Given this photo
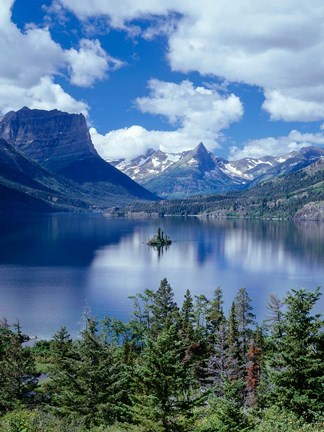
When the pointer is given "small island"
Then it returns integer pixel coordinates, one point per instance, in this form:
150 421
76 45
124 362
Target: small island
159 239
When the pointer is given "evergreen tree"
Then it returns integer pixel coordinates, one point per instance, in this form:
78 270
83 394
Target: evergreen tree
297 366
86 378
164 309
18 376
201 312
216 316
245 319
187 318
166 389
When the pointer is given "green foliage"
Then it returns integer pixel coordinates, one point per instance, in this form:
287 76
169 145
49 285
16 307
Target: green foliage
165 386
86 378
278 420
18 376
171 370
224 414
297 364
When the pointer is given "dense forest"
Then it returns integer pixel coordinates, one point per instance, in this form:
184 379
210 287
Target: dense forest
186 368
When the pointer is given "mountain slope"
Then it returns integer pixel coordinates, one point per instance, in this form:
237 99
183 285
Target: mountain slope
60 142
26 186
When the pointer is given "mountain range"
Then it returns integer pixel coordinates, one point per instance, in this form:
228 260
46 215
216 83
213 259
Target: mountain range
48 156
200 172
48 162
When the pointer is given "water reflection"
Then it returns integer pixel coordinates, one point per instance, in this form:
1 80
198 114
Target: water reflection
51 267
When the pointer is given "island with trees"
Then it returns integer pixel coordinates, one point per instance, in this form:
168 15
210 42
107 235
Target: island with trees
160 239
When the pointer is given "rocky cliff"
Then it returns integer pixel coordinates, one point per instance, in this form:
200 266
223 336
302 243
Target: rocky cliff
60 142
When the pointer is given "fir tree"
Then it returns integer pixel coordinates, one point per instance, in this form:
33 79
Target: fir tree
187 318
18 376
216 316
245 319
164 309
166 389
298 368
86 378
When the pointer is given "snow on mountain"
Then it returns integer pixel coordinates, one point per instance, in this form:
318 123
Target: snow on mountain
200 171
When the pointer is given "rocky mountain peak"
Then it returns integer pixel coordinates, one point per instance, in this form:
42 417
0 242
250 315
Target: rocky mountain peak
201 157
51 137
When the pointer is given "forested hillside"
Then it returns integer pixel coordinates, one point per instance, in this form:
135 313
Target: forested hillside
282 197
172 368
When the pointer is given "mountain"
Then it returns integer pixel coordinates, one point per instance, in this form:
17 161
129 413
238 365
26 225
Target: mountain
26 186
179 175
61 143
199 171
298 195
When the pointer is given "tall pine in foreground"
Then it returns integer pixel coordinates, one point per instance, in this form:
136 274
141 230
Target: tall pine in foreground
298 367
86 377
18 376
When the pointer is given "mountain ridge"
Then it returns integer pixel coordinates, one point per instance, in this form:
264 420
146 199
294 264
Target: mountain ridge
61 143
200 171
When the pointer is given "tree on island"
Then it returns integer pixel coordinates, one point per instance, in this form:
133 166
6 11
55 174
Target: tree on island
159 239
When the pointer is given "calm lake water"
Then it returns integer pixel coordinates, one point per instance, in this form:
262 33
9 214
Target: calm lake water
53 267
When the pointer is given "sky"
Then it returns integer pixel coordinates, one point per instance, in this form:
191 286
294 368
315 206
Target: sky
245 77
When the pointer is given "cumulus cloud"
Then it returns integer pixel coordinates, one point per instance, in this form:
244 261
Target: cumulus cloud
196 113
30 60
43 95
294 141
277 46
89 63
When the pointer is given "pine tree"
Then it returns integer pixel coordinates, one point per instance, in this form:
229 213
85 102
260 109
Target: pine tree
164 309
187 318
201 312
297 365
166 390
216 316
245 319
86 379
18 376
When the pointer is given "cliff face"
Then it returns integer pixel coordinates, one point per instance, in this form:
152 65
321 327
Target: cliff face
61 143
51 138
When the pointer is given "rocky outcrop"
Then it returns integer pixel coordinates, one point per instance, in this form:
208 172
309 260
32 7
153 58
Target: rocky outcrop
51 138
313 211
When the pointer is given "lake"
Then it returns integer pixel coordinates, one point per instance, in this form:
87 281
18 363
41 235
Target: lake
54 267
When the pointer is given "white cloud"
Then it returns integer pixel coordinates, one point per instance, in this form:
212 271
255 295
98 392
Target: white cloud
44 95
120 11
294 141
277 46
89 63
192 107
197 114
30 60
289 108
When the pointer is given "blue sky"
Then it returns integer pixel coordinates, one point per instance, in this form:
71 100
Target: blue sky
244 77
